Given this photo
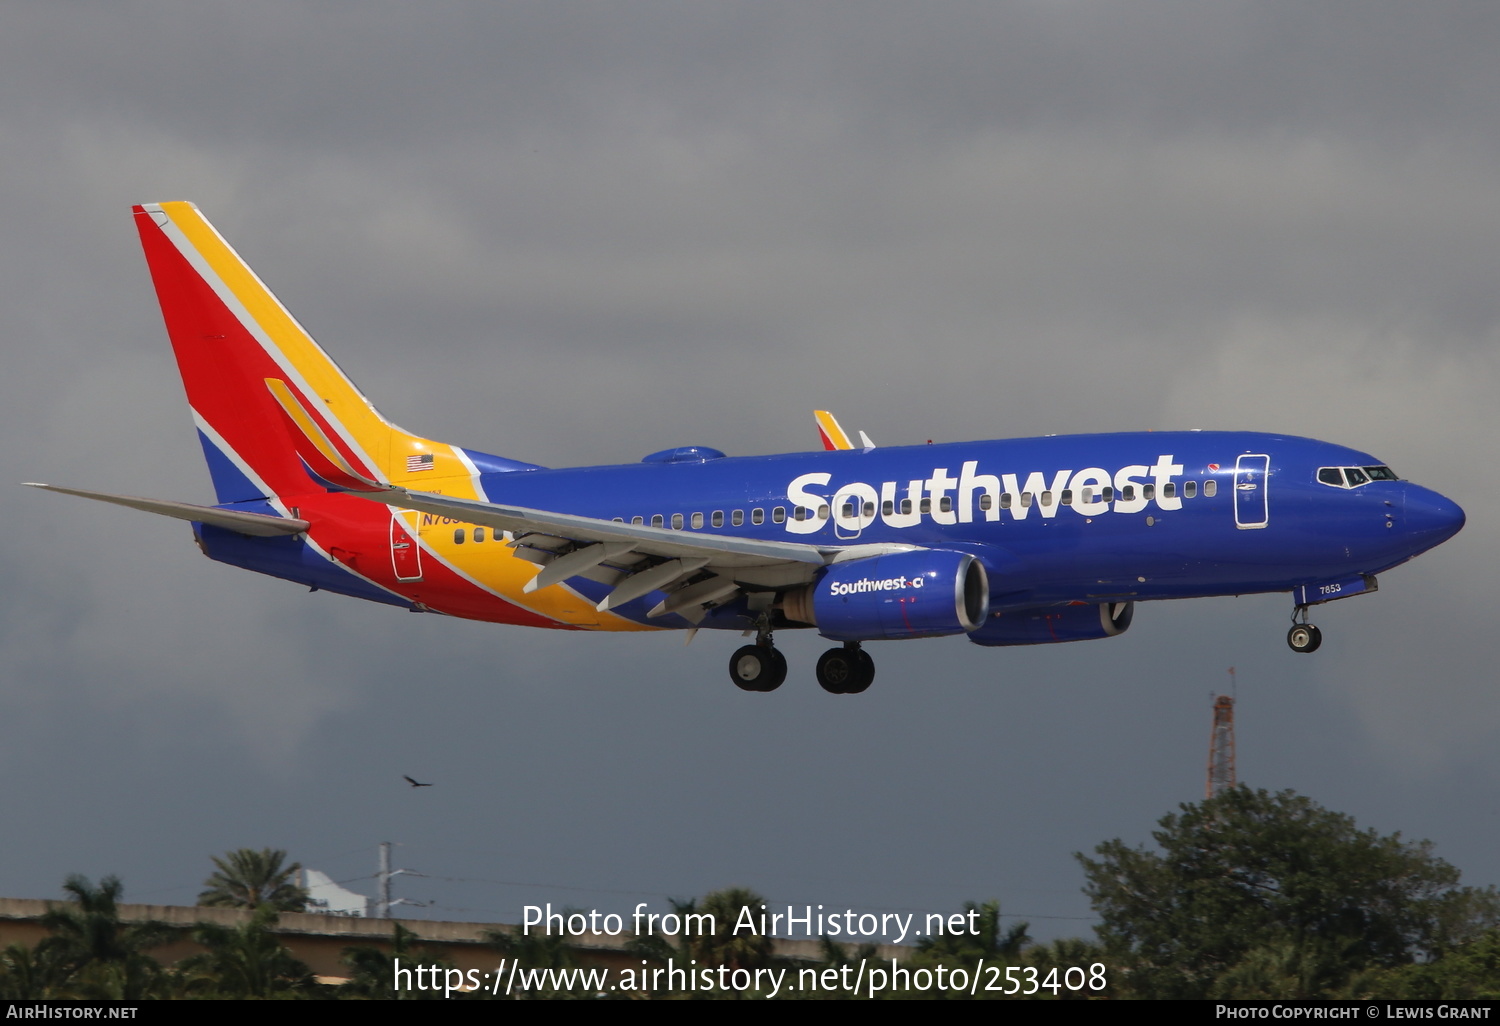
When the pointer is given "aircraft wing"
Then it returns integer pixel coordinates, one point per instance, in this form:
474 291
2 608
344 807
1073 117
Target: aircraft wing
695 569
257 525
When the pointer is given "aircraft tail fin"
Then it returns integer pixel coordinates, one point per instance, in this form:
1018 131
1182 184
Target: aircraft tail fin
830 433
270 405
833 436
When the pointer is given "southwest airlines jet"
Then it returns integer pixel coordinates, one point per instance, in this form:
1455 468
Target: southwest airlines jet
1016 542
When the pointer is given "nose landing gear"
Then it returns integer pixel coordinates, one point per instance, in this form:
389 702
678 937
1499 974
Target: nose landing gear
1303 637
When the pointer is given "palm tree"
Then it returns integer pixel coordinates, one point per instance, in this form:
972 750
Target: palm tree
25 975
738 947
249 879
742 948
91 952
539 951
985 942
247 961
374 970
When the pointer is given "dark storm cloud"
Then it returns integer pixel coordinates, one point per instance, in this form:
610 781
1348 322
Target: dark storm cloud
578 233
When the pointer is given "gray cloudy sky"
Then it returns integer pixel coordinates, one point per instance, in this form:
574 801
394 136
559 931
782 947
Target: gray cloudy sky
578 233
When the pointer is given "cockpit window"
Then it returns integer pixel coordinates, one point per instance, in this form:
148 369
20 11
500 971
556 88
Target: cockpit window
1353 477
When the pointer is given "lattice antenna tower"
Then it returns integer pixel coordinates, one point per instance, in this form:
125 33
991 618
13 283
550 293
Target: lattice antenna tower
1221 743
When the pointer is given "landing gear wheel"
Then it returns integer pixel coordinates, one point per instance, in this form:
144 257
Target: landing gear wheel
845 671
757 668
866 674
1304 637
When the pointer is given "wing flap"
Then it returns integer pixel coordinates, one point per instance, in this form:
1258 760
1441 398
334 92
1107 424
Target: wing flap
723 551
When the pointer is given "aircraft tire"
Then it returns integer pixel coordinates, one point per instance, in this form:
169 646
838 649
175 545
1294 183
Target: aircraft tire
866 675
845 671
1304 638
757 668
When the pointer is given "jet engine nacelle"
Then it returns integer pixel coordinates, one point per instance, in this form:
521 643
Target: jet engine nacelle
917 594
1055 623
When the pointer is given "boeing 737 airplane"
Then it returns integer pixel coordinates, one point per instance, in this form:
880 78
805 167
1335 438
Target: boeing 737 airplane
1016 542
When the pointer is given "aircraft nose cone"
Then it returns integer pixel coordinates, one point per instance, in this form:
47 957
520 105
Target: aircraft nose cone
1431 519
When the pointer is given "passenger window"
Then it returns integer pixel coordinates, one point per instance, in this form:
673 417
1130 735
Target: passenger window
778 515
1169 490
869 510
737 518
1067 497
888 507
823 512
799 512
637 521
848 513
458 536
1189 488
946 504
986 501
926 505
657 521
1210 488
718 520
676 521
1026 500
1047 498
1127 494
697 521
479 531
1109 494
906 507
758 516
1148 492
1006 499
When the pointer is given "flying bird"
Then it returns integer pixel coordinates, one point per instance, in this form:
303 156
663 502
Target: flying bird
412 782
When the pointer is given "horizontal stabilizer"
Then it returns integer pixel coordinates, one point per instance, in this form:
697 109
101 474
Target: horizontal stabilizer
259 525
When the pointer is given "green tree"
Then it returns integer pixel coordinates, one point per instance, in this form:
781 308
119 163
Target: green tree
1271 894
1065 970
731 942
247 961
249 879
1469 972
980 938
735 942
374 970
25 976
539 950
90 953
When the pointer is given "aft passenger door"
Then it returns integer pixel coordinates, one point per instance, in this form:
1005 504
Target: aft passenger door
1250 476
406 556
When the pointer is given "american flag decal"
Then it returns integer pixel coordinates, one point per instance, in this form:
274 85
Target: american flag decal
416 463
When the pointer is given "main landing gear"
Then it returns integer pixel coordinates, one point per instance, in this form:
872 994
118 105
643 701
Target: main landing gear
845 671
758 667
1303 637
